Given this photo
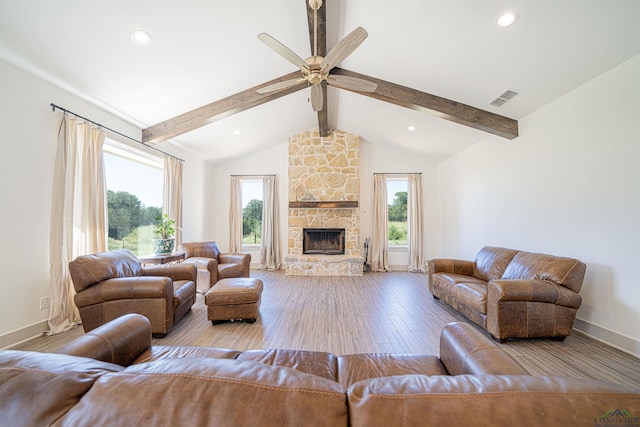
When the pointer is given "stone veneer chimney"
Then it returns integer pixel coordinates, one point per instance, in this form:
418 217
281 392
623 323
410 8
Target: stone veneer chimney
324 192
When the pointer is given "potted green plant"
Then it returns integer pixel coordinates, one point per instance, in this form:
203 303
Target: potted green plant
165 231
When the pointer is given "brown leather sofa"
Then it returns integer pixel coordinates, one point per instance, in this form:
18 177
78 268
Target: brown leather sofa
110 284
214 265
114 376
511 293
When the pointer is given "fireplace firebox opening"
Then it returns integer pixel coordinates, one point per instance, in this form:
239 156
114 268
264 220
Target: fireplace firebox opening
325 241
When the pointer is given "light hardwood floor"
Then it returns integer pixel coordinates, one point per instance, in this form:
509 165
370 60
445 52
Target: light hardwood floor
378 312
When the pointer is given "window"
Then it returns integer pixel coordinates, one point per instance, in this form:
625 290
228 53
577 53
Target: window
134 197
397 190
251 211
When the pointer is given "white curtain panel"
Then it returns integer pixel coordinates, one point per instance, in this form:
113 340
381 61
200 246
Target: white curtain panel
415 224
235 214
270 246
380 238
78 213
172 193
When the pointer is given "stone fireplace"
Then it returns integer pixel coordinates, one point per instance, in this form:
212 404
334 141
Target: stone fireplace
324 193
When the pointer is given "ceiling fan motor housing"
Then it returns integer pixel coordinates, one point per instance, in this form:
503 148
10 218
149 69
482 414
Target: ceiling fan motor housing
314 75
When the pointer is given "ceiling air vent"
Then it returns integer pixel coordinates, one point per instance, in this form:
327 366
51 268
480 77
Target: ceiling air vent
507 96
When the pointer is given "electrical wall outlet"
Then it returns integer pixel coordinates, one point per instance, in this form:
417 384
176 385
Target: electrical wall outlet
44 303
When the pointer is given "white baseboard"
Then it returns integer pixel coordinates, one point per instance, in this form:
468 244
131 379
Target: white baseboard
612 338
19 336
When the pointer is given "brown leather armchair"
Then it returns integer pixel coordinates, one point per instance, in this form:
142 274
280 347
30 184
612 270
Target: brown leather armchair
110 284
214 265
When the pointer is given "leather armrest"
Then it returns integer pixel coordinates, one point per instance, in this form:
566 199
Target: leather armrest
179 271
454 266
119 341
532 290
126 288
466 350
235 258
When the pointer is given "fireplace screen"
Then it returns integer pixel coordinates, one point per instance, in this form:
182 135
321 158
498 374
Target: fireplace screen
326 241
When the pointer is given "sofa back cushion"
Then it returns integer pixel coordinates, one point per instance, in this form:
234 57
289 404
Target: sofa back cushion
87 270
496 400
199 392
318 363
36 389
201 250
567 272
491 262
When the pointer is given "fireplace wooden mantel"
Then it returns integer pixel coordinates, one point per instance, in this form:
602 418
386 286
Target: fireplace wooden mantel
328 204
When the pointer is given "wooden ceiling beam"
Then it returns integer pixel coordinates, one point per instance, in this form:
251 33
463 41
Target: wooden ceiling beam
217 110
321 14
441 107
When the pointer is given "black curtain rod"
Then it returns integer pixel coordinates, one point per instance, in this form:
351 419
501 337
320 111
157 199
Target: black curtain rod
54 107
398 173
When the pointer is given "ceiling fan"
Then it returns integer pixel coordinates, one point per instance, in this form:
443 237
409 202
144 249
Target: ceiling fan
319 70
316 69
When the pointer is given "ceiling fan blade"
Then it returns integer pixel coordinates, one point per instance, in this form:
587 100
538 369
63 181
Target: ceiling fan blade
344 48
316 97
279 86
283 51
352 83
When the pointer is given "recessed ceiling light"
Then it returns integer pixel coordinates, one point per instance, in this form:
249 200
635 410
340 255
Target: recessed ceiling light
507 18
411 128
237 132
140 37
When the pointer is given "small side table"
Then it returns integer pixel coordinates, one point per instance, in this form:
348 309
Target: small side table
162 258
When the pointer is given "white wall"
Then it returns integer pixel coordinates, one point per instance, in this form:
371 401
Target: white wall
28 135
374 157
570 186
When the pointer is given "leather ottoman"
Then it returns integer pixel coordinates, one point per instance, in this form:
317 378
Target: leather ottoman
234 299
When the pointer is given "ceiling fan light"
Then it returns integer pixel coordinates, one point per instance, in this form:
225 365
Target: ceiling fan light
507 18
140 37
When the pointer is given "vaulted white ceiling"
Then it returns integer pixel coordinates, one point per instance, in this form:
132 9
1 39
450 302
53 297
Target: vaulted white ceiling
202 51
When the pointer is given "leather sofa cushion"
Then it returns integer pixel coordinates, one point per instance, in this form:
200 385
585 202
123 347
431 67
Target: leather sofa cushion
183 290
55 381
194 392
317 363
472 294
567 272
87 270
486 400
443 283
356 367
160 352
491 262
